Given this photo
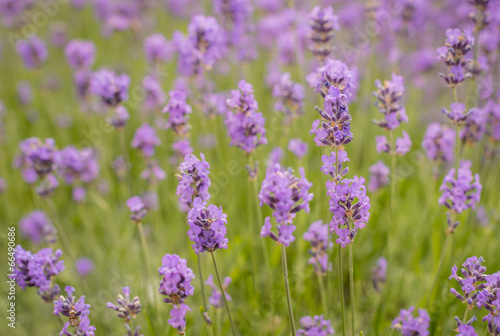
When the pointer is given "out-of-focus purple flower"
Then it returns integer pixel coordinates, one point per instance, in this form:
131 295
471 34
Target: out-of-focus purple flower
36 155
75 165
153 172
323 26
457 114
47 186
193 181
76 311
207 227
333 73
439 143
146 140
473 280
81 79
379 273
349 206
297 147
182 147
466 329
178 111
245 126
454 55
24 93
155 97
150 200
216 298
475 126
84 266
315 326
290 97
80 54
127 309
38 228
333 166
389 102
33 51
157 48
286 195
317 236
275 157
137 209
176 284
58 34
335 127
379 176
460 190
110 87
403 144
37 270
119 118
410 325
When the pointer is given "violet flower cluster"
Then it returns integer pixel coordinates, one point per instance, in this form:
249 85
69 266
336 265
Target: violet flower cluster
245 126
297 147
111 88
207 227
334 130
410 325
37 270
193 181
349 206
379 274
286 195
38 228
439 143
76 311
176 285
145 139
137 209
178 111
215 299
455 55
290 98
460 190
333 165
127 309
80 54
317 236
457 114
333 73
379 176
466 329
324 23
33 51
157 49
315 326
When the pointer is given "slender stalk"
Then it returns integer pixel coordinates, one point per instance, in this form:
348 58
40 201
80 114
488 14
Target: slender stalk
322 293
287 290
233 329
457 149
455 95
440 265
60 229
351 286
147 260
464 320
341 285
202 285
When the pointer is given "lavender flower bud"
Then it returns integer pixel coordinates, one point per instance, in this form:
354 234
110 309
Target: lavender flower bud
178 111
439 143
137 208
379 176
84 266
379 274
33 51
290 98
216 298
460 190
76 311
411 325
317 236
389 102
127 309
38 228
111 88
193 181
207 227
315 326
323 26
146 140
80 54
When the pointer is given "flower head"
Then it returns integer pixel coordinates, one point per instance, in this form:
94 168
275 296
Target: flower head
216 298
297 147
379 273
137 209
460 190
439 143
457 113
323 26
290 97
333 73
207 227
157 48
193 180
80 54
76 311
33 51
315 326
84 266
37 158
471 281
389 102
410 325
146 140
127 308
178 112
75 165
110 87
379 176
317 236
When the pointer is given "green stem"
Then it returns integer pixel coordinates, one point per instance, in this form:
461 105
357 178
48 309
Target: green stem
202 285
60 229
455 95
233 329
351 286
464 320
287 289
457 149
322 293
440 265
341 285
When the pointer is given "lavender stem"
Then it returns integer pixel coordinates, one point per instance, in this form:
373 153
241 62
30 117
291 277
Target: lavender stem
287 290
233 330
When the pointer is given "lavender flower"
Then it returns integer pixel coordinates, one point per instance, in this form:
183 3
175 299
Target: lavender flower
206 36
460 190
323 26
472 281
297 147
475 126
84 266
439 143
80 54
466 329
489 298
37 270
333 73
24 93
245 126
317 236
330 163
389 102
37 157
290 98
47 186
178 111
146 140
75 165
349 206
410 325
37 227
176 284
286 195
76 311
403 144
216 298
193 181
33 51
137 208
207 227
335 130
457 114
379 273
153 172
155 97
454 55
127 309
81 79
157 48
110 87
315 326
379 176
119 118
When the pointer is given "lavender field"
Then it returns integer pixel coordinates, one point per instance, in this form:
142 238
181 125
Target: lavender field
250 167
